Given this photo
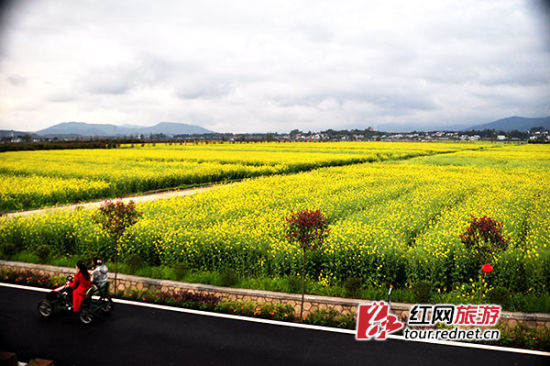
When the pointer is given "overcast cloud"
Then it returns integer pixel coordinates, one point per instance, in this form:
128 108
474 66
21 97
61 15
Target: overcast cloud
254 66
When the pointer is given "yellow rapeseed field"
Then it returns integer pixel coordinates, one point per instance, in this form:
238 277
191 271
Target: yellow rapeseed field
393 220
103 173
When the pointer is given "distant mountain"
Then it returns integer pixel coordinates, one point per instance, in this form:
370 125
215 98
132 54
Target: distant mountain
80 129
514 123
12 133
108 130
172 128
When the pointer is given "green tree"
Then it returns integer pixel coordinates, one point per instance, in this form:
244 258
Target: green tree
26 138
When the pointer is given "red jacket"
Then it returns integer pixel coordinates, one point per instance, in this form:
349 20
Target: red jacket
80 284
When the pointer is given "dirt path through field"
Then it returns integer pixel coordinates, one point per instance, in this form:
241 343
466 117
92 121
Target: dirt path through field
136 199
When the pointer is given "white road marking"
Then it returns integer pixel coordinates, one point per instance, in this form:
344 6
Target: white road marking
22 287
297 325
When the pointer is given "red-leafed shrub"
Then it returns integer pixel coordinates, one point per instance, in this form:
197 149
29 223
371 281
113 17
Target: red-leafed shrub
484 238
115 218
308 229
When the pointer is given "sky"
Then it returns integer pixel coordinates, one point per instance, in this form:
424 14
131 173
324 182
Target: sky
273 66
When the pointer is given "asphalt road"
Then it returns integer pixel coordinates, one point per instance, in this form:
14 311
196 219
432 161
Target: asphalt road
143 336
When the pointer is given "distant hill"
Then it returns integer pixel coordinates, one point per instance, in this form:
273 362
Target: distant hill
108 130
172 128
514 123
12 133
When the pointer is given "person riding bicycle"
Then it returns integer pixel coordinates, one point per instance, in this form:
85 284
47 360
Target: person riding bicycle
80 285
99 274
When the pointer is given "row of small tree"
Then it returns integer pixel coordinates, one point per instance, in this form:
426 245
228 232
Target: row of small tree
308 229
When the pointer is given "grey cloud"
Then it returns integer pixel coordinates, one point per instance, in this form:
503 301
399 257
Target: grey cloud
396 104
314 32
268 66
62 97
16 80
122 78
529 97
204 90
108 82
145 71
396 98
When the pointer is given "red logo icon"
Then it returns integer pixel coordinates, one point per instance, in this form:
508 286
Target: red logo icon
374 320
